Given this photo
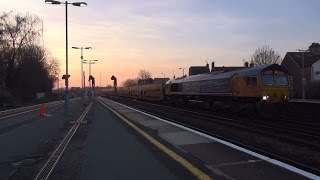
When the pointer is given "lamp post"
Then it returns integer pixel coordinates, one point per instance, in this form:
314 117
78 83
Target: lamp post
164 75
80 4
182 71
81 59
90 62
303 80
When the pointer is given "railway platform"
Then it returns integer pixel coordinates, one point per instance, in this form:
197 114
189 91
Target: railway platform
214 157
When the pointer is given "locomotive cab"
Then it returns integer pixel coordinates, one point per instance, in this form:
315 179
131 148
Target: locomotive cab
275 86
267 83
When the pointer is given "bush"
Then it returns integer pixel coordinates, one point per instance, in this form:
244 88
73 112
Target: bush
5 98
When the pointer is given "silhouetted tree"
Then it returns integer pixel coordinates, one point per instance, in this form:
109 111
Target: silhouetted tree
19 31
130 82
265 55
25 67
144 75
35 73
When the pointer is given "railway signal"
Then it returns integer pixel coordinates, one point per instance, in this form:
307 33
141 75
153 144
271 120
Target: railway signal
64 77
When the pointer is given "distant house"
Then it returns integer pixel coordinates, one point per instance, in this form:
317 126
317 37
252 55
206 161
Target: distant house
160 80
152 81
293 62
228 68
145 81
194 70
216 69
315 69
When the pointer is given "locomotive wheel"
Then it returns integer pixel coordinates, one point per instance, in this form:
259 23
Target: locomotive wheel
264 110
243 109
179 101
182 102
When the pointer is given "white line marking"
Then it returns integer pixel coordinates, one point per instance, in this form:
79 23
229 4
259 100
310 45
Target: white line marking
36 105
72 130
260 156
237 163
23 112
27 107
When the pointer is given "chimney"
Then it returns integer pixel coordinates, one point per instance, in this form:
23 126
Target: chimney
208 69
246 64
212 66
315 49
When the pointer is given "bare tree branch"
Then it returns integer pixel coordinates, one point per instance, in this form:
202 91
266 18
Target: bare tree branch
265 55
26 68
144 76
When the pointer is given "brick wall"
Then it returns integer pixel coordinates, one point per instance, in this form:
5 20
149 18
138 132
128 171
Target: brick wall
296 72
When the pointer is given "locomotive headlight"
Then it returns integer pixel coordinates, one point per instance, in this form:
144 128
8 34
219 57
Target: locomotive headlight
265 98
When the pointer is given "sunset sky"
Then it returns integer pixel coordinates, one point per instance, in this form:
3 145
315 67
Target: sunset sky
162 36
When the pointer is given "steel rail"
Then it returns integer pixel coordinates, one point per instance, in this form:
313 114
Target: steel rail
314 133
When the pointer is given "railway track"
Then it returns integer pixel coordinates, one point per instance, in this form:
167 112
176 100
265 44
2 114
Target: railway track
260 136
295 129
273 130
313 126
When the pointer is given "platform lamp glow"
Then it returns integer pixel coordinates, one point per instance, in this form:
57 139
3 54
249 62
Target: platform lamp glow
80 4
81 59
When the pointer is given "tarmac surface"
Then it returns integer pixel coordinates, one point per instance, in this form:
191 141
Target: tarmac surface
21 135
113 152
105 148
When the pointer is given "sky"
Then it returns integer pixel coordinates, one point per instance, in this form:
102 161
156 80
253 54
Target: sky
163 36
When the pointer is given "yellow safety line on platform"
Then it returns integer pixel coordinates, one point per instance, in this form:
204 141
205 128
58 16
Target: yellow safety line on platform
190 167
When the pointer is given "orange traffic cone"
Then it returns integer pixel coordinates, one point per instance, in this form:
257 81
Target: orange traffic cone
41 113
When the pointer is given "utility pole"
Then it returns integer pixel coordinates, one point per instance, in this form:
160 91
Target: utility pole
303 80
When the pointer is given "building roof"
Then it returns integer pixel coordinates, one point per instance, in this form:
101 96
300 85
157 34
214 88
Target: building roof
160 80
227 68
193 70
309 58
250 71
